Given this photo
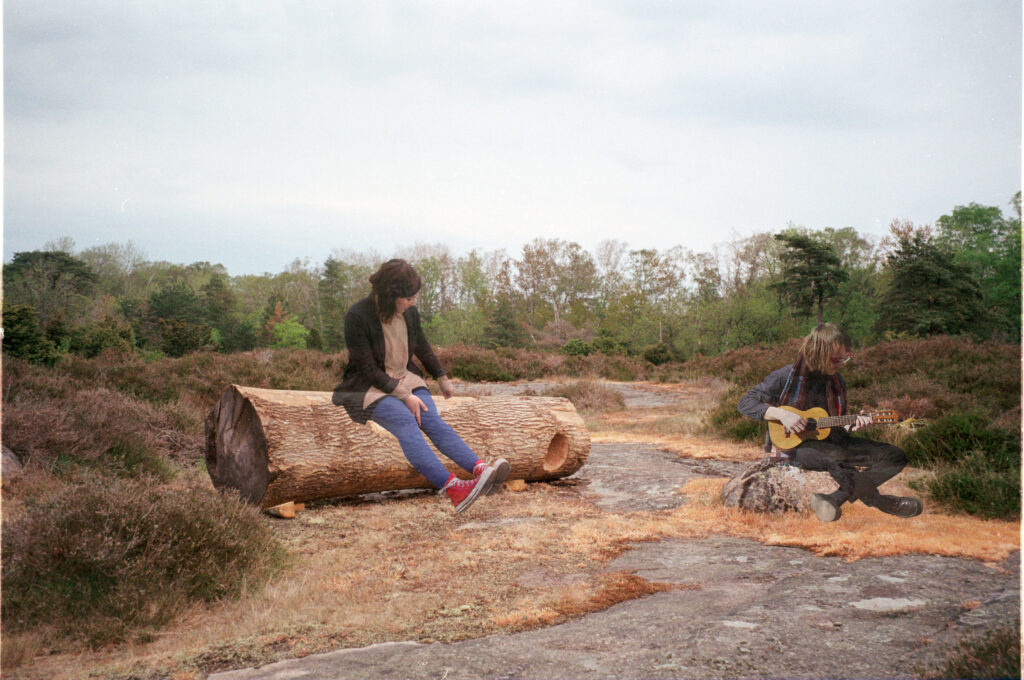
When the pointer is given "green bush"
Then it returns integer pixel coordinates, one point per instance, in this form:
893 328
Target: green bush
24 338
950 438
658 354
977 487
180 336
290 334
104 561
576 348
977 466
606 345
91 339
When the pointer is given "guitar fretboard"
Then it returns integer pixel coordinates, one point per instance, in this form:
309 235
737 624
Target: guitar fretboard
832 421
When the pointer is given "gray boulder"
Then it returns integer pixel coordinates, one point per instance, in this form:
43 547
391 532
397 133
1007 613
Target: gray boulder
766 487
11 464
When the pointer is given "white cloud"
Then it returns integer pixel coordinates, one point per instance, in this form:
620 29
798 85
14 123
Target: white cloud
252 134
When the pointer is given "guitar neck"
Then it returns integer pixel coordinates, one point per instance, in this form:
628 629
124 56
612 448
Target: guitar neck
834 421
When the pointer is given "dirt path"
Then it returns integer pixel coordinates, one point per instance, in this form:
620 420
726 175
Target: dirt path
739 608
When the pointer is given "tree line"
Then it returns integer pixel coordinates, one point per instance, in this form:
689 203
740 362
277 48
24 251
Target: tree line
961 276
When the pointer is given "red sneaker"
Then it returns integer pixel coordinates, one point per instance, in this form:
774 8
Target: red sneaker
463 492
501 470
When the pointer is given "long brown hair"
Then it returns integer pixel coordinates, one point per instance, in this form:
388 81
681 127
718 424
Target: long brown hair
395 279
817 348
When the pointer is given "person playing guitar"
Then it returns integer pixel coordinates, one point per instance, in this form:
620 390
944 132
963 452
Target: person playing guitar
858 464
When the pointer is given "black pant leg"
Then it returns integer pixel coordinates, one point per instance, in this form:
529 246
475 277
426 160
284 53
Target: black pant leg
882 462
842 456
826 456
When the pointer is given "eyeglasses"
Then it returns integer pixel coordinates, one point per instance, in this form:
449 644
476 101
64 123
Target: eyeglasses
839 361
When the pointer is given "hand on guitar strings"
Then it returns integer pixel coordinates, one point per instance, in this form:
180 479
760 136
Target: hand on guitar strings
862 422
794 423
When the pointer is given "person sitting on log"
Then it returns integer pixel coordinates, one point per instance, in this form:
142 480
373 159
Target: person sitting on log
813 380
382 383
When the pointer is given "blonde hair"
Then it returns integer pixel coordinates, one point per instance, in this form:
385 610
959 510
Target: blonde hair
819 344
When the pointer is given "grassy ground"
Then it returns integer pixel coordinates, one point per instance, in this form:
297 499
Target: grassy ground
360 572
528 559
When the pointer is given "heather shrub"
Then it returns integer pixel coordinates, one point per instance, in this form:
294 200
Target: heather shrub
588 395
977 465
978 486
995 654
950 438
62 424
479 365
609 367
108 561
746 365
529 365
725 420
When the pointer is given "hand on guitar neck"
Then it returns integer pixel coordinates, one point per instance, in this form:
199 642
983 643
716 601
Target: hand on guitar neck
788 426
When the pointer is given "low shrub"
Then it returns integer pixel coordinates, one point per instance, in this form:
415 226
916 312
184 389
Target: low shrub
949 439
576 348
479 365
658 353
107 561
995 654
726 420
588 395
977 486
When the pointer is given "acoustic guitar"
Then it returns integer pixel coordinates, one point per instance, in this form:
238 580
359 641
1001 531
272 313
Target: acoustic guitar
820 423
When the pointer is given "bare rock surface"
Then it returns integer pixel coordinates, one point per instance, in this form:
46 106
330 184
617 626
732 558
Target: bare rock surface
636 395
740 608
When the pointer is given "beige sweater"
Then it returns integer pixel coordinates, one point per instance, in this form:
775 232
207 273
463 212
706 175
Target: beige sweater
396 343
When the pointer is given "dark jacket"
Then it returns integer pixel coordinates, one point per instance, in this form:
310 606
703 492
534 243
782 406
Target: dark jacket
769 393
364 337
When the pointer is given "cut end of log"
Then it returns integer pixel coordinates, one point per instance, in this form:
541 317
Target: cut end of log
558 451
236 447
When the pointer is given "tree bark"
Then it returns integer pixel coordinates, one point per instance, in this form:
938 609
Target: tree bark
275 446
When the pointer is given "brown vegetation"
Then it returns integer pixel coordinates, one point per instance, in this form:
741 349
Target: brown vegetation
516 561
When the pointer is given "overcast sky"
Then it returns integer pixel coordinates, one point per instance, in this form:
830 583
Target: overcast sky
252 133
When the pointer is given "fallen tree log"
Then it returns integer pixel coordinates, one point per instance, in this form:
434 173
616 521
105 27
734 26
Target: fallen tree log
276 446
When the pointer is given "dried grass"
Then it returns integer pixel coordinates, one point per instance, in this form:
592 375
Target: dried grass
596 594
408 569
861 532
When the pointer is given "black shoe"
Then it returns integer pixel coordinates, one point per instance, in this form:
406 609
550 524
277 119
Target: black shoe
901 506
825 508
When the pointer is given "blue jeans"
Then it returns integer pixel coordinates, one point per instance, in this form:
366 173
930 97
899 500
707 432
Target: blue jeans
394 416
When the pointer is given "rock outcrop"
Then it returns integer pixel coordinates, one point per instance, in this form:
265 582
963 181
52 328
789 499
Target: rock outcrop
775 488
